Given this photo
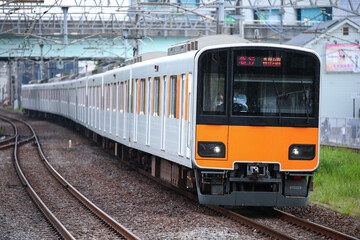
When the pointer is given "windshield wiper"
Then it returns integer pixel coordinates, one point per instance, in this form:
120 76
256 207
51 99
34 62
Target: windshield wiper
277 101
306 102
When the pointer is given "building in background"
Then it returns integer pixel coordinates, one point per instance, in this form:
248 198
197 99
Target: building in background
4 78
337 43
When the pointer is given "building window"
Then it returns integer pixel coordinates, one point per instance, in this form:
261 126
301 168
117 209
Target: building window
312 16
262 16
346 31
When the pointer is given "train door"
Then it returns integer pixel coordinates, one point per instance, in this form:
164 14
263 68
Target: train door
98 108
86 120
90 105
148 113
163 113
117 109
125 108
68 102
188 116
136 106
105 105
109 96
182 131
76 103
93 106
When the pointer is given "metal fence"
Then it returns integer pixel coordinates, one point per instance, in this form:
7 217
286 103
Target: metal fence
340 132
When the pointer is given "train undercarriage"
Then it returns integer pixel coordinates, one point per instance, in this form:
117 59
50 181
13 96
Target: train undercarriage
249 184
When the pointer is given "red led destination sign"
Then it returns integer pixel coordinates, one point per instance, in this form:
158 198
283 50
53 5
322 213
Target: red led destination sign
259 61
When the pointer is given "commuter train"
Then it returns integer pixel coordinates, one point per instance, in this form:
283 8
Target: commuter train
236 123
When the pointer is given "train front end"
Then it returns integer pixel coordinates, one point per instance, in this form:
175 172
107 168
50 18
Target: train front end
257 125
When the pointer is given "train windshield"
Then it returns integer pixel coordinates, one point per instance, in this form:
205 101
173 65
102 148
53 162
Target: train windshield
259 82
272 83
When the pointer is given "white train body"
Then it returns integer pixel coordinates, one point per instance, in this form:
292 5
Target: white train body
186 112
101 103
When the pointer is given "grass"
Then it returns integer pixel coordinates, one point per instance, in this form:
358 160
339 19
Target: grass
337 181
11 107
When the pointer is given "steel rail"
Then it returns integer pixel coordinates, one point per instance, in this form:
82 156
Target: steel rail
314 226
249 222
235 216
60 228
9 138
92 207
19 143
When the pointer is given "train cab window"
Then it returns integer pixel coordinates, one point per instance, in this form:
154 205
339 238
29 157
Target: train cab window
173 96
272 83
213 66
156 96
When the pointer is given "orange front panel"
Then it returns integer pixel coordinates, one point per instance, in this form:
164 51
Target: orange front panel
264 144
211 133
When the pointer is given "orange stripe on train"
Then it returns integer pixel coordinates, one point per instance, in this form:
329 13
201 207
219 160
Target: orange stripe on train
257 144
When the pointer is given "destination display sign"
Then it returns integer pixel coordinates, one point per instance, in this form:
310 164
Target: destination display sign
258 61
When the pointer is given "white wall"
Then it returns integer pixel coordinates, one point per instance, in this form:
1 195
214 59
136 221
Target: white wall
337 87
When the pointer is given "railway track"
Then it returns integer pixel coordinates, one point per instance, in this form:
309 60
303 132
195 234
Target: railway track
328 232
311 230
4 142
44 188
314 232
10 141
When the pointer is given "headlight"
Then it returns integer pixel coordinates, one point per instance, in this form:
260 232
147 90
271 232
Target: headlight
211 149
302 152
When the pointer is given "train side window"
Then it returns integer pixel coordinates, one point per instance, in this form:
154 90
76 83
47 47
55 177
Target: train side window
121 94
93 97
113 96
107 92
142 95
131 96
156 96
173 96
98 97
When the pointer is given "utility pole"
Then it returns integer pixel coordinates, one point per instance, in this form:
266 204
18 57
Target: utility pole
136 41
9 86
65 11
41 44
125 33
239 21
282 20
221 17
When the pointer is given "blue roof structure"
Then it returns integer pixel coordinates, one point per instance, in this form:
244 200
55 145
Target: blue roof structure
312 33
